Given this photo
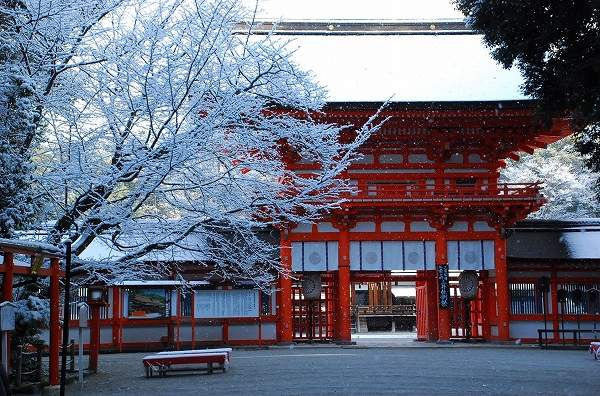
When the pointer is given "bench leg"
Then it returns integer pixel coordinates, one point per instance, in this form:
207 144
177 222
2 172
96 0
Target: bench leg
209 367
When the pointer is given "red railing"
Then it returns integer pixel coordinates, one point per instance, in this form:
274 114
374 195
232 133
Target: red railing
442 193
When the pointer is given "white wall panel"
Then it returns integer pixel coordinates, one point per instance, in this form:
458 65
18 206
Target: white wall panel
370 255
314 256
364 226
392 255
326 227
392 226
489 261
471 255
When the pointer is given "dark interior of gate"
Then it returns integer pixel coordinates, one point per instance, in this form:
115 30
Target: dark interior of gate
386 303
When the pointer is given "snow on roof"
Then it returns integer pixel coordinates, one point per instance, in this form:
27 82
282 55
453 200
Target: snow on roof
31 247
188 250
158 283
562 240
405 68
103 249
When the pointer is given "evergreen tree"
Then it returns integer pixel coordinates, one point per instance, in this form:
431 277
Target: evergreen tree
17 129
556 46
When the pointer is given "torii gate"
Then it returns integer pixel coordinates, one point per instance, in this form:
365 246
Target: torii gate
37 253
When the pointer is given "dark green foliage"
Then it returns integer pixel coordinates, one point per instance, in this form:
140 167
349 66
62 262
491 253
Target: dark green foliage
16 123
17 127
556 45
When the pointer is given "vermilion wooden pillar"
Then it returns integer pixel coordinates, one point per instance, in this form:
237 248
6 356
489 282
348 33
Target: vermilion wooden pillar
7 290
487 297
7 280
344 331
95 334
55 331
502 291
116 318
284 310
433 303
193 319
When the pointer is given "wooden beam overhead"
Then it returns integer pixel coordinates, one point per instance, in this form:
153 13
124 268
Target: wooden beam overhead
359 27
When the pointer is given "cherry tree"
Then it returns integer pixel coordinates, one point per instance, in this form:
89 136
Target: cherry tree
164 135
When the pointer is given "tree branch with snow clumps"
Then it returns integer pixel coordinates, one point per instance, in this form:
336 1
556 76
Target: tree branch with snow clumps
159 136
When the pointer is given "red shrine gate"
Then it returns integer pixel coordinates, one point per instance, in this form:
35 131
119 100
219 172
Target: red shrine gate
428 207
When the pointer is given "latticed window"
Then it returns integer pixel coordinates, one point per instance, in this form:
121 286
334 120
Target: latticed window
578 298
525 298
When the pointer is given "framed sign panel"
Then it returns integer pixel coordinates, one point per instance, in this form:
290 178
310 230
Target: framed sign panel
148 303
243 303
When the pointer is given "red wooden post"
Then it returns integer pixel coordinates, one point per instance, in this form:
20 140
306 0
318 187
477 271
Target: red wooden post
433 302
95 334
116 318
7 280
488 308
503 297
193 319
344 332
7 290
284 310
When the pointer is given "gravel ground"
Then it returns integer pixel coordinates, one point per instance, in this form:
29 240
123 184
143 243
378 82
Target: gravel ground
371 367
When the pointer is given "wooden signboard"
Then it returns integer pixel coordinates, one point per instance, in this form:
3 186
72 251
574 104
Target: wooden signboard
444 286
226 304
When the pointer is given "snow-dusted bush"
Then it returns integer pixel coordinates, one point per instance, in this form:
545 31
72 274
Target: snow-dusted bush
32 312
31 315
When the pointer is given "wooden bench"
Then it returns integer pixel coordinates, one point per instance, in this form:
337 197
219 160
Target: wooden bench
163 363
196 351
595 349
576 335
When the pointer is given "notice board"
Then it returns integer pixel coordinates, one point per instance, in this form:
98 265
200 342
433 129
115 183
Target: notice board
242 303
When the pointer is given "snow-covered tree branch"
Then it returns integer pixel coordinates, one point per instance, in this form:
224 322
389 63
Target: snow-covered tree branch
569 187
159 129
